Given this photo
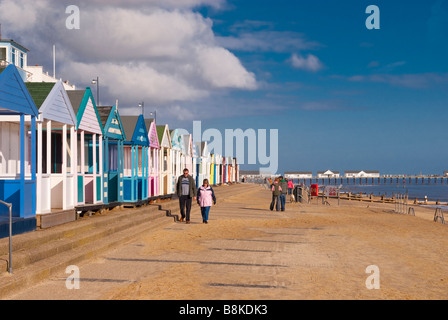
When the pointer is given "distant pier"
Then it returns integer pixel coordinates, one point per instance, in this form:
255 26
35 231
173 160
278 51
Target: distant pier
384 180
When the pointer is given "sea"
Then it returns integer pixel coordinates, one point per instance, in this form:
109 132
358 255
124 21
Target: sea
434 189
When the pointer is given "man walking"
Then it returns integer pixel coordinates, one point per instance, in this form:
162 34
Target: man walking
186 191
284 186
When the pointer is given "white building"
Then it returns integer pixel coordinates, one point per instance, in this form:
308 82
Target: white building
328 174
14 53
362 174
299 175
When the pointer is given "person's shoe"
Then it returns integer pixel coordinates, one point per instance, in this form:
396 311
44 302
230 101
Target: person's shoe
181 219
205 222
188 222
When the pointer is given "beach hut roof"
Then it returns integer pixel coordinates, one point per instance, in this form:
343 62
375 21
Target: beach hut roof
86 111
111 121
52 101
153 135
135 130
14 96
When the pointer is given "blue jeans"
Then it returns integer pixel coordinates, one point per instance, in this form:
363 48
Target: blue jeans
283 201
205 211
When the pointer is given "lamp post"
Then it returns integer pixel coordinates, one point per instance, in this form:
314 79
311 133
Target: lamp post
152 113
97 82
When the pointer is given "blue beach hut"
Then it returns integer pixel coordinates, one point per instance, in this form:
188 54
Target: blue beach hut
114 138
17 151
135 159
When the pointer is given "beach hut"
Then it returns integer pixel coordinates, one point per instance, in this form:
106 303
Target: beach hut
204 162
135 158
90 149
56 153
212 169
153 158
114 138
195 163
188 151
18 115
167 170
177 158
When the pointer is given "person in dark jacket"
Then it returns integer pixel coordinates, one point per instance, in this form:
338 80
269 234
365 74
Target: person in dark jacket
276 192
284 185
186 191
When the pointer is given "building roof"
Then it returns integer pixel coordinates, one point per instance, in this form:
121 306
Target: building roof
16 44
76 97
39 91
104 113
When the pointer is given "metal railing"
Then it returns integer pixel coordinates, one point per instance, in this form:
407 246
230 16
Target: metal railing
9 205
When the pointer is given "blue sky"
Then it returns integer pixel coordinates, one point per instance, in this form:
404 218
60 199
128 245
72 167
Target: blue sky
378 102
342 97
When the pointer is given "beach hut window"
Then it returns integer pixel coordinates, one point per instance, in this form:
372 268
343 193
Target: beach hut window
2 54
56 153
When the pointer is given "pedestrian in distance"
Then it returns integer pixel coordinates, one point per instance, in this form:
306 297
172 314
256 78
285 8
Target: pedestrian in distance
290 189
206 196
284 186
276 192
186 191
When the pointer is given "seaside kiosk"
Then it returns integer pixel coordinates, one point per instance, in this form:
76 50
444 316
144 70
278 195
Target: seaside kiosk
18 115
153 158
135 159
56 154
114 138
90 150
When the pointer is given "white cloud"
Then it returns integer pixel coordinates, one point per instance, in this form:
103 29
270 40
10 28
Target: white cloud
310 63
158 51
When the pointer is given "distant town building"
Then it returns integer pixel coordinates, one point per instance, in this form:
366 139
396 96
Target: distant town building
14 53
328 174
362 174
299 175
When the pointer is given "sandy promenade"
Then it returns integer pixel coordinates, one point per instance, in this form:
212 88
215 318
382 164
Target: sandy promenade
248 252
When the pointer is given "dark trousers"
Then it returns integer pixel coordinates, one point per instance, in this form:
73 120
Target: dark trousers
185 201
275 203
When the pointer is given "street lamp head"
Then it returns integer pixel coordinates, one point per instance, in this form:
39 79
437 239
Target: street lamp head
94 81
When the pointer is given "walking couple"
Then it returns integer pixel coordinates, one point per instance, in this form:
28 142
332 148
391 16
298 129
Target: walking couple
280 187
186 191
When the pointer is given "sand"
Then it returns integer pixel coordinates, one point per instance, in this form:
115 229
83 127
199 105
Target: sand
308 252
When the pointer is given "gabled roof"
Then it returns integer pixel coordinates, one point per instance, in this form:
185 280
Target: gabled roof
52 101
164 135
39 91
82 101
14 96
176 140
152 133
111 121
187 147
135 130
